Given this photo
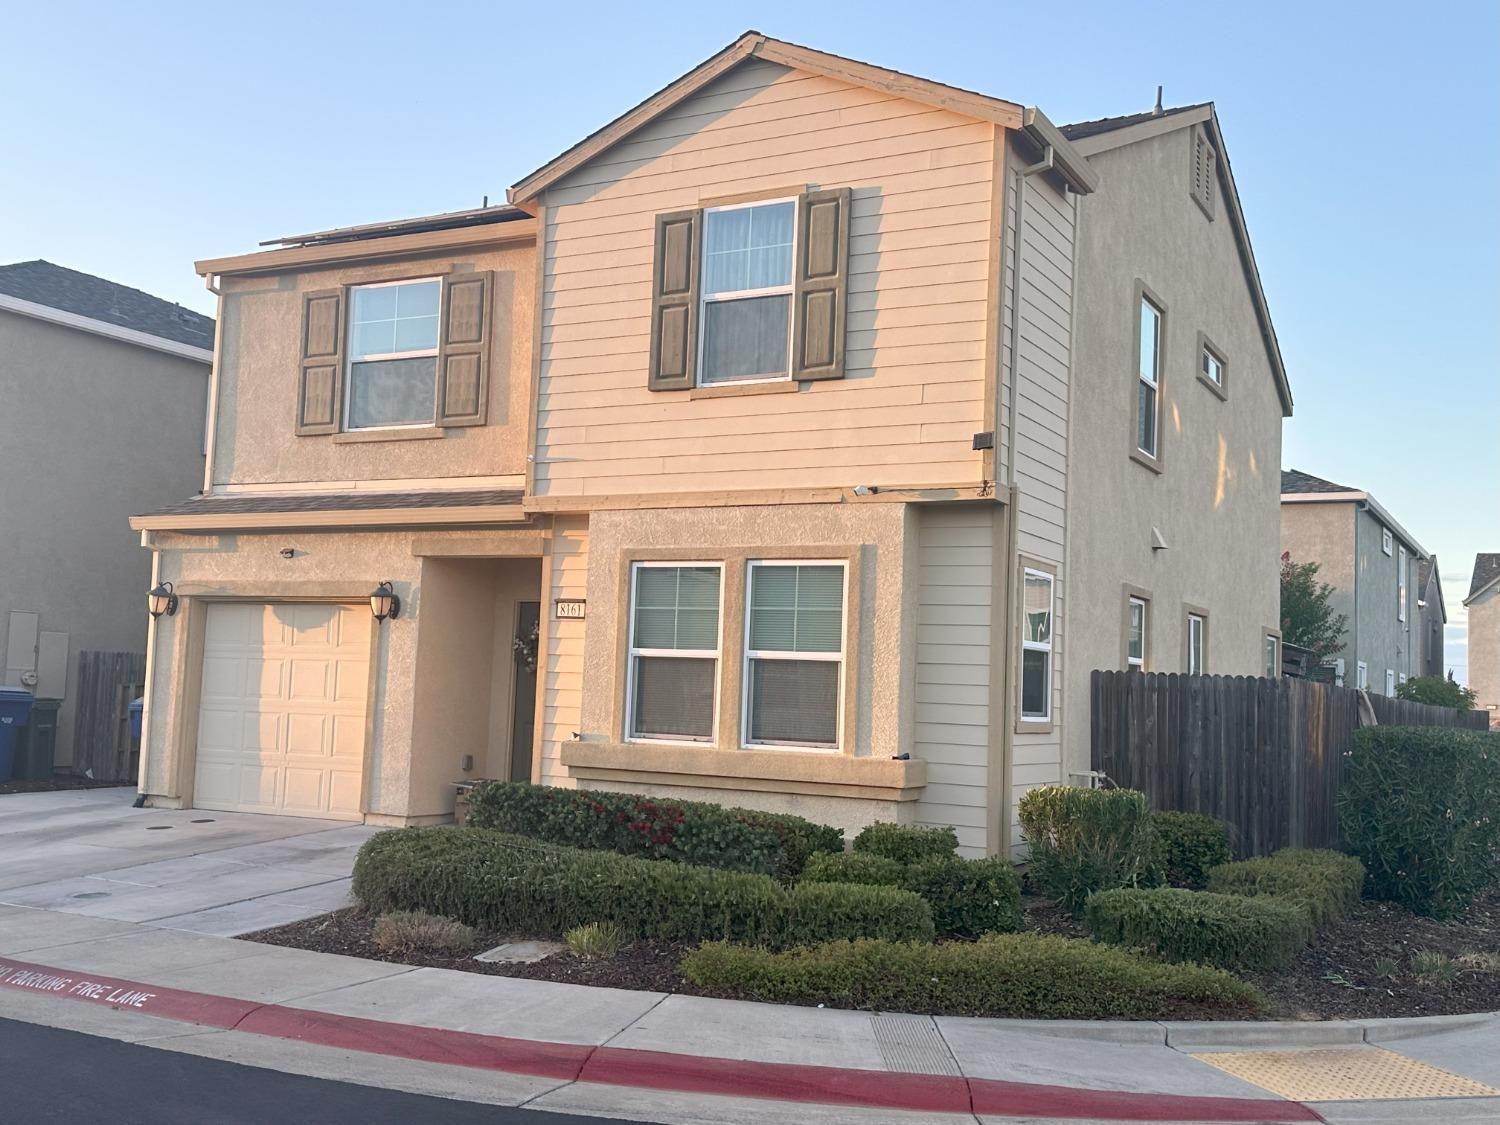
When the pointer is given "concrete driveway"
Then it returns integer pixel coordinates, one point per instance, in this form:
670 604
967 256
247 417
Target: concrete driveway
86 851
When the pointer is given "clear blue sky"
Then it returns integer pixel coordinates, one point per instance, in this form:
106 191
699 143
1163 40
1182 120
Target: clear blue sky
1363 136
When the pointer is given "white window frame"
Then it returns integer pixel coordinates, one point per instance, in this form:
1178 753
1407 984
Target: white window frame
1154 382
704 300
1201 622
1362 676
1218 366
1131 661
1386 539
1028 645
631 653
1390 682
1272 651
421 353
1401 565
750 654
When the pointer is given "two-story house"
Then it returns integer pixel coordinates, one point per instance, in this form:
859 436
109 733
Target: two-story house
1483 604
771 407
1373 565
1432 619
102 392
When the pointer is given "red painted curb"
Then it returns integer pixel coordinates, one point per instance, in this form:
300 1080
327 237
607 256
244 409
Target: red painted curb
657 1070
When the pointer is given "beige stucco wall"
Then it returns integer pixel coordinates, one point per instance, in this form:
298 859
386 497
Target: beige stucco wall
433 676
1484 651
92 431
1216 501
920 232
262 325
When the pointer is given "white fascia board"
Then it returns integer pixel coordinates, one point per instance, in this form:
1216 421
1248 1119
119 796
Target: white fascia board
102 328
1370 503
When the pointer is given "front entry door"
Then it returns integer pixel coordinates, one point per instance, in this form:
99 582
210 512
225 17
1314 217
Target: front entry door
523 706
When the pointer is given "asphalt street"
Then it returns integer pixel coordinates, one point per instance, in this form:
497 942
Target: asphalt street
67 1077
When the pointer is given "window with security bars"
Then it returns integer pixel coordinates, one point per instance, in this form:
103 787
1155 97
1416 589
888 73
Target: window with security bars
794 638
674 651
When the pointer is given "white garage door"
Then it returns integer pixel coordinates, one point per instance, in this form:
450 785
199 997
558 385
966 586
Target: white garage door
281 721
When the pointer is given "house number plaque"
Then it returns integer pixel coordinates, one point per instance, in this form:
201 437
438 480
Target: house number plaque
570 608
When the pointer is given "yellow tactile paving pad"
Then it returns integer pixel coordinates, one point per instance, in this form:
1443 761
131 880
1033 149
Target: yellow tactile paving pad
1343 1074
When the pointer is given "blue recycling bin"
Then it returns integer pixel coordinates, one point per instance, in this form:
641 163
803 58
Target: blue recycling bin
15 706
135 717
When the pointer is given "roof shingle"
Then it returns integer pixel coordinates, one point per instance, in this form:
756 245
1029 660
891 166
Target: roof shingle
1294 481
1080 129
1486 570
83 294
242 503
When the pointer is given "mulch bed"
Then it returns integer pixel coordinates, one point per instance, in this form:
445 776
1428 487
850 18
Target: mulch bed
60 781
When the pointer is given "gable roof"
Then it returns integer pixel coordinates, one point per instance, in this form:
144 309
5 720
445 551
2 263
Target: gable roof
1427 572
752 44
1295 481
1486 574
1081 130
1300 487
82 294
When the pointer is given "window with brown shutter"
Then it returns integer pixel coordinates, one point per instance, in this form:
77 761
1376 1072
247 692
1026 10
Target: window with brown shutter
465 342
750 292
319 387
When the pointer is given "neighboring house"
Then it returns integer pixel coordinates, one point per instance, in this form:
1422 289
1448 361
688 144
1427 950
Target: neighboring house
103 389
1432 616
1483 604
1373 565
759 404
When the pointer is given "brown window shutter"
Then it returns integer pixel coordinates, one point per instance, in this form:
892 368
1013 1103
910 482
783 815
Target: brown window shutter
464 349
320 386
674 301
821 285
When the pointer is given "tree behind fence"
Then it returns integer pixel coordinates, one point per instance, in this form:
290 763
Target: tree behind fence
1265 756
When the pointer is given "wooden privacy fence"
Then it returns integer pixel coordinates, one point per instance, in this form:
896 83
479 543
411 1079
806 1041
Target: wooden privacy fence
1265 756
107 682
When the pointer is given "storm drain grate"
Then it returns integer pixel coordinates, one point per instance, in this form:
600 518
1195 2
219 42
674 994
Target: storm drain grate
912 1045
1343 1074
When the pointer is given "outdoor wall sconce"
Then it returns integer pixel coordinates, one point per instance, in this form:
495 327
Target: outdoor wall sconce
161 600
384 602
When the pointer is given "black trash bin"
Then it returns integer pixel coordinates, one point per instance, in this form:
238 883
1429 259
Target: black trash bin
15 705
36 745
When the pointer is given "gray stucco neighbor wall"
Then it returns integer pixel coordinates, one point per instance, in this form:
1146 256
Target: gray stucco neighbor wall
1216 498
93 431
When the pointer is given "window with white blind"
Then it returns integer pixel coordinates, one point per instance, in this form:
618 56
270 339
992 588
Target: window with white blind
1036 647
794 654
393 350
673 671
747 292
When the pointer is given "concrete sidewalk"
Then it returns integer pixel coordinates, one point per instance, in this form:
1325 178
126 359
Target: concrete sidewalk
571 1048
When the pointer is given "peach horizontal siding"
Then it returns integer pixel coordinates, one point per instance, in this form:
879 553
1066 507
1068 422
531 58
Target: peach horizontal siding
562 665
919 254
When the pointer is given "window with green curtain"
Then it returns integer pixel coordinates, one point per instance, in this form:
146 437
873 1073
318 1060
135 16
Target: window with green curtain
795 638
674 651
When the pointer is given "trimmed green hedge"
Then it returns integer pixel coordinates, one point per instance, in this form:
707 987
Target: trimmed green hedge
1326 883
1017 975
906 843
968 897
1085 840
686 831
1421 807
521 886
1184 845
1229 931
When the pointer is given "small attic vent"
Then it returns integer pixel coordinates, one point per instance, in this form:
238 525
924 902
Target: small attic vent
1204 178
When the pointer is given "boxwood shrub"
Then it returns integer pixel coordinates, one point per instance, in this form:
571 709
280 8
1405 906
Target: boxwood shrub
1184 845
1421 807
519 885
968 897
1229 931
686 831
1085 840
906 843
1325 883
1016 975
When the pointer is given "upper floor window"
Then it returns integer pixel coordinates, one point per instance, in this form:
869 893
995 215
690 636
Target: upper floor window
1213 368
1386 540
1135 641
672 686
794 649
393 355
747 292
1148 367
1036 647
1401 585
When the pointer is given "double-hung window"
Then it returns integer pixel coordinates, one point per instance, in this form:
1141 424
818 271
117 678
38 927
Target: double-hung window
1036 647
1197 629
1362 676
1390 681
1401 584
794 654
747 293
1148 369
1273 659
672 689
1135 641
393 355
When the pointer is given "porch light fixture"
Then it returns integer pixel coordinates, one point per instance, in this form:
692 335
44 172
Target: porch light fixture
384 602
161 600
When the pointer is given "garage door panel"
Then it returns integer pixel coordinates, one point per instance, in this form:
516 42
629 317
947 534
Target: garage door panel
282 718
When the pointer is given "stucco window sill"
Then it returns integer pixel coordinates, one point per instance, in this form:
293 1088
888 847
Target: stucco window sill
1146 461
1030 726
415 433
773 771
1222 392
734 390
